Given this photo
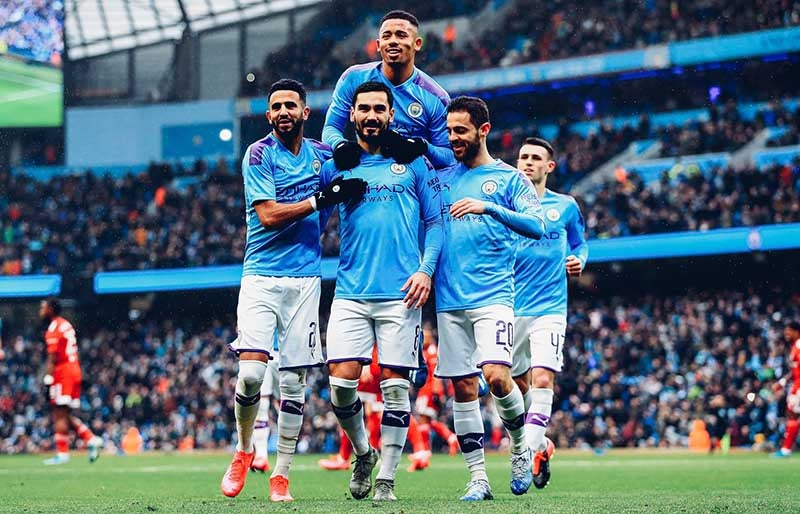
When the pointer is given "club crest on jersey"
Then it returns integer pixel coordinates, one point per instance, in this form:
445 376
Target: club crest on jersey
553 214
489 187
414 109
398 169
316 165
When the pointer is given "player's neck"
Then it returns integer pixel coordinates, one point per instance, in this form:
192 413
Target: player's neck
540 189
371 149
483 158
293 145
398 74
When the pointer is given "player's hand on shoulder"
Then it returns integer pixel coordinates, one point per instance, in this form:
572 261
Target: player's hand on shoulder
417 289
574 266
467 206
347 190
402 149
347 155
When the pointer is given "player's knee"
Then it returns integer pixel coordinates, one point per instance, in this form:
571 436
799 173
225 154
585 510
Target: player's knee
343 391
251 375
499 380
293 385
523 382
542 379
395 394
465 389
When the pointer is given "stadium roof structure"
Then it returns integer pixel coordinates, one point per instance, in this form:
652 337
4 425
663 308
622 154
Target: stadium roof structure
97 27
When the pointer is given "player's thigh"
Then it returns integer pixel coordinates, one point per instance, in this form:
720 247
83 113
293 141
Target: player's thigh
457 350
256 315
298 323
521 351
547 342
351 334
493 332
398 331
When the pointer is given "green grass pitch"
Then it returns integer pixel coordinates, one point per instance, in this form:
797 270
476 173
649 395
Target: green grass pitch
582 482
30 96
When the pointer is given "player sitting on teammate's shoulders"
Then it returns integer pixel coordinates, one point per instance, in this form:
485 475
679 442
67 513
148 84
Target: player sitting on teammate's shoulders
419 125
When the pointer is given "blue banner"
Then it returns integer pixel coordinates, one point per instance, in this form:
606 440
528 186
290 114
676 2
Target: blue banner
737 46
690 244
656 246
30 286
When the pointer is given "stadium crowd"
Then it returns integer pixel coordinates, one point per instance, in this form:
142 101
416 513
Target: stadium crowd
527 33
32 29
638 371
169 216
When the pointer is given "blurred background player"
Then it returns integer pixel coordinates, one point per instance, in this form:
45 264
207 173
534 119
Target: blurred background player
63 376
427 405
419 126
383 280
280 286
489 205
540 300
792 334
261 426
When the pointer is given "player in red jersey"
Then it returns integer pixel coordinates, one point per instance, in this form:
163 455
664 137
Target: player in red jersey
63 376
428 407
792 334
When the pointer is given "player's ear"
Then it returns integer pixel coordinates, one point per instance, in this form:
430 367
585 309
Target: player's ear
418 44
306 112
391 115
352 114
484 129
551 165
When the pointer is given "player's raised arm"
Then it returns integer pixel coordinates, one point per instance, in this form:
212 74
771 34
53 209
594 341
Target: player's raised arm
346 154
439 151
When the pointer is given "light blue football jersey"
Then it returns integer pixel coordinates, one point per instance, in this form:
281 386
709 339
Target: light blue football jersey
272 172
541 276
476 266
380 237
420 109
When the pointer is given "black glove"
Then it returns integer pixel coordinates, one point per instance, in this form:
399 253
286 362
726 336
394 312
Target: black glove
347 155
402 149
349 190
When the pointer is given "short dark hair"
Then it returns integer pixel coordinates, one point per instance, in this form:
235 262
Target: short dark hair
476 108
372 86
54 303
794 325
288 85
400 15
538 141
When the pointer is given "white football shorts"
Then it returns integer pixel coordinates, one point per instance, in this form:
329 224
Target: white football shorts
355 326
288 305
468 339
539 343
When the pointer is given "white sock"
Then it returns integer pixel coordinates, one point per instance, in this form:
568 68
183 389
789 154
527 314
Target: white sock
261 431
469 430
511 409
248 396
538 418
527 399
394 425
290 418
350 413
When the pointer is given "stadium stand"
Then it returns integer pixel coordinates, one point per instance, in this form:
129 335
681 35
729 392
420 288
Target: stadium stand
527 33
638 370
